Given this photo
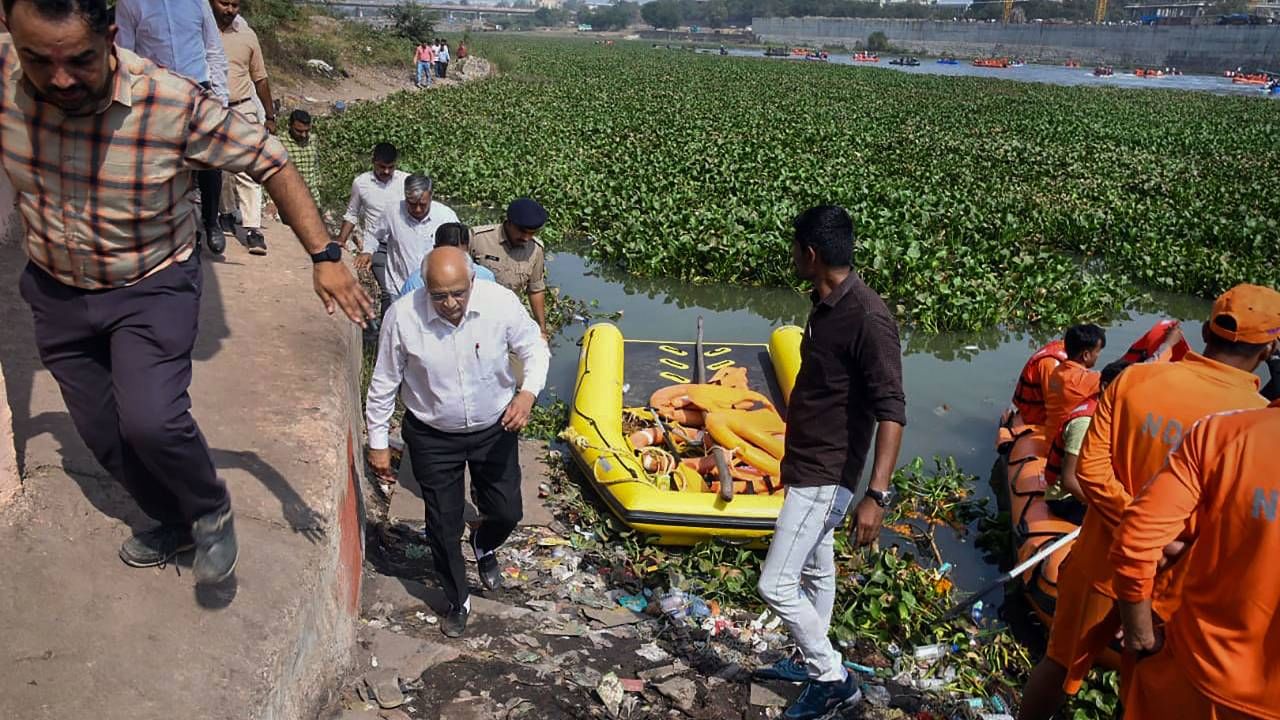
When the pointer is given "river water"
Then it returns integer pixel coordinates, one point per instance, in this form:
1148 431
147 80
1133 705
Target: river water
956 385
1050 74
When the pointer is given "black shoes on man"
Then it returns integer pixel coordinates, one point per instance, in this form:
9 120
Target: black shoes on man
487 566
157 546
215 239
213 537
455 622
256 243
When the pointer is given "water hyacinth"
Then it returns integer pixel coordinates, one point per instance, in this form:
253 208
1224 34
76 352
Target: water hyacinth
977 202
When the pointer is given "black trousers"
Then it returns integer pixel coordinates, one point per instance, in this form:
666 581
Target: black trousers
210 184
438 460
122 359
386 295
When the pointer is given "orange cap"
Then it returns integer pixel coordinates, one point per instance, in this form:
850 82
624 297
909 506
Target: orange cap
1248 314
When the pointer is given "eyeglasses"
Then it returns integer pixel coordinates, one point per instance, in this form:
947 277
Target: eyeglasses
442 296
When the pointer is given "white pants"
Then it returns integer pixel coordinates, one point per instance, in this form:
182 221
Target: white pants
239 191
798 579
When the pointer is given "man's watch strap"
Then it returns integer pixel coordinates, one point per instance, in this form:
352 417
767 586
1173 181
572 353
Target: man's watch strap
883 498
331 253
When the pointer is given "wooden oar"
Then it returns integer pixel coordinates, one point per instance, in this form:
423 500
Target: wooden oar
717 452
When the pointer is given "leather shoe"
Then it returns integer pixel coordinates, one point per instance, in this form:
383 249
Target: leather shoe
216 548
217 241
487 567
455 623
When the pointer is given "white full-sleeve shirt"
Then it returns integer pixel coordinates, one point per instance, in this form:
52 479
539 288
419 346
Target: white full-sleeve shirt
454 378
409 239
369 198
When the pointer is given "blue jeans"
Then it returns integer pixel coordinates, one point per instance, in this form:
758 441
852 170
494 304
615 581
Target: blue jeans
798 579
424 71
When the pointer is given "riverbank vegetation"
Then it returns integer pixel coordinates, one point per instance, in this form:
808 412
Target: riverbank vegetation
977 202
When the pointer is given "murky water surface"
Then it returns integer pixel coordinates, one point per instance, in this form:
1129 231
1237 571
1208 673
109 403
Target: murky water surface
956 385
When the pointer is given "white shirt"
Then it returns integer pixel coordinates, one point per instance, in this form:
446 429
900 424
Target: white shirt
368 199
408 239
162 31
444 54
454 378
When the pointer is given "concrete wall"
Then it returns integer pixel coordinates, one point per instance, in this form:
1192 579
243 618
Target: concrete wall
10 480
1194 48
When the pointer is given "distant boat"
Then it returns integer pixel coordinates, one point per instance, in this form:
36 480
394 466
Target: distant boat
948 61
907 61
866 57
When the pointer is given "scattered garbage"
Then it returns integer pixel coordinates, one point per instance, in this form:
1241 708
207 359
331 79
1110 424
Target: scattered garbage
610 692
653 653
976 612
320 66
930 653
877 695
635 603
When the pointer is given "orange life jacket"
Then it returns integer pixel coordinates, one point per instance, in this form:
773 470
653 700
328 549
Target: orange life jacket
1028 397
1058 450
1145 347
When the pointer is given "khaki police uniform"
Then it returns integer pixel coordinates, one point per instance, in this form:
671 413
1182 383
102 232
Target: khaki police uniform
519 268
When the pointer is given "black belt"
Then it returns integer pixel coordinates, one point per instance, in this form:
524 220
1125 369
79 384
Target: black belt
241 101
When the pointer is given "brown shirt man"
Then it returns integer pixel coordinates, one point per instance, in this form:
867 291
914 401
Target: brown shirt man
519 268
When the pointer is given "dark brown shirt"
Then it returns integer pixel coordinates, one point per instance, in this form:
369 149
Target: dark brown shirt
850 378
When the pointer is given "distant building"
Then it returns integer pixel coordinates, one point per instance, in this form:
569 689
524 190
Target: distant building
1167 11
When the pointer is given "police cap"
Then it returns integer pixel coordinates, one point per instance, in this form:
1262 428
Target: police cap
526 213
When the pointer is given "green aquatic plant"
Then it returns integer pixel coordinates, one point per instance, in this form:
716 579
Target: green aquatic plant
977 202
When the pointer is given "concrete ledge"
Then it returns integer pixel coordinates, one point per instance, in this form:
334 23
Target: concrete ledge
275 393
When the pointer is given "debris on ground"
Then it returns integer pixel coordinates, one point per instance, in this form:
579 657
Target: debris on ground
588 625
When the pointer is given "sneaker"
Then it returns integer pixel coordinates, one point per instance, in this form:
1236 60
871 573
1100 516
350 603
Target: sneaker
257 244
156 546
217 241
790 669
216 549
819 698
227 221
487 567
455 623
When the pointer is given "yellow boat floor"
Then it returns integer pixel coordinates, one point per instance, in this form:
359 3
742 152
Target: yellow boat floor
654 364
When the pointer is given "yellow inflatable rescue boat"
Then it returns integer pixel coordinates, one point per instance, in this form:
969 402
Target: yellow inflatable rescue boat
648 440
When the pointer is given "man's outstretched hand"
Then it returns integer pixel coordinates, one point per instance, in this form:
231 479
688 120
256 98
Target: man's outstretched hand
338 288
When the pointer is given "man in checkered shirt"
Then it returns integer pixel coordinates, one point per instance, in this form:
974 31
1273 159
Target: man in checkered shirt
101 146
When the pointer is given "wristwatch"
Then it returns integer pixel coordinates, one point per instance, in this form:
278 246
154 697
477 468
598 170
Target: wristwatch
883 498
331 253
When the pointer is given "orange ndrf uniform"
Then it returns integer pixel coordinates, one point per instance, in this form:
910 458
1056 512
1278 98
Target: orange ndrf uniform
1221 657
1058 448
1139 421
1069 386
1033 382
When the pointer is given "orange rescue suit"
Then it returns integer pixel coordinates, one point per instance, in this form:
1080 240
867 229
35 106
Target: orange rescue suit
1224 638
1028 397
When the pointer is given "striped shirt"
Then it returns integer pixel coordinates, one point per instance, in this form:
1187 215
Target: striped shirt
304 158
106 196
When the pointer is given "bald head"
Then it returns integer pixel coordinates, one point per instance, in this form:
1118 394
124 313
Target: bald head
446 266
448 274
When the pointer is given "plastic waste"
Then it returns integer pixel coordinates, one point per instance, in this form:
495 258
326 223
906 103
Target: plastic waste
976 612
877 695
674 604
929 653
634 603
697 607
856 667
997 704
